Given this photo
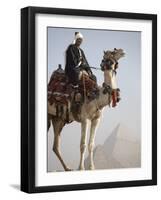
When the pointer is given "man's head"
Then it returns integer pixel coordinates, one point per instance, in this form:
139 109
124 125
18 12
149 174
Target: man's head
78 39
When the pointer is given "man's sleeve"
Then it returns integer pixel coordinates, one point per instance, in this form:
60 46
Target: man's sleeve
71 58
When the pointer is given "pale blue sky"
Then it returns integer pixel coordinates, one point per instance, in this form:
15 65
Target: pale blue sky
128 111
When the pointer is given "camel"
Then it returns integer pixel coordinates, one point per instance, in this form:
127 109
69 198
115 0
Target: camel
90 111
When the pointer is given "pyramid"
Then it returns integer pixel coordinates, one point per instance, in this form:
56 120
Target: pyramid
120 150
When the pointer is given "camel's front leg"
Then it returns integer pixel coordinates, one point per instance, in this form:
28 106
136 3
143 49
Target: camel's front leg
83 144
94 123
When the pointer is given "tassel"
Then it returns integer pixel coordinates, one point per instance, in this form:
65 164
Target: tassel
114 98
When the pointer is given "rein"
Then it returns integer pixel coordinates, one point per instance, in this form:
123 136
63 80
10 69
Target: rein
96 68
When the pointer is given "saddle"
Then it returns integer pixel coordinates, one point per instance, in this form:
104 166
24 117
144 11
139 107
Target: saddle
60 91
57 88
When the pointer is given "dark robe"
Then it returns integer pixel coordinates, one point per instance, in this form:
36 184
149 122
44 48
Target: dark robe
72 60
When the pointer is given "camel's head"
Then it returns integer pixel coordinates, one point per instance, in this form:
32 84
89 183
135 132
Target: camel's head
109 65
110 59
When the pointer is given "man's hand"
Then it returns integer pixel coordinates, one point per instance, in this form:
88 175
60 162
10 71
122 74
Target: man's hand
81 59
89 72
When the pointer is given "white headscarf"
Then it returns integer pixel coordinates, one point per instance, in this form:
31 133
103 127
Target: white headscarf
77 36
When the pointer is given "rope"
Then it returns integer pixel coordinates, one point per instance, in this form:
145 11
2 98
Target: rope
84 87
95 68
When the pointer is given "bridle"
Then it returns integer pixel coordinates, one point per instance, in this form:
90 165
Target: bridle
107 65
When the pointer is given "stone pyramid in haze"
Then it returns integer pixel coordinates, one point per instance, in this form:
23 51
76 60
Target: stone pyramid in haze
120 150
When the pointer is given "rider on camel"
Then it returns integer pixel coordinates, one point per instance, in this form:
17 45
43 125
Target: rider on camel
76 61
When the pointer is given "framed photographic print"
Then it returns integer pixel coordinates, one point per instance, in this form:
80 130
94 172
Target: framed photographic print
88 99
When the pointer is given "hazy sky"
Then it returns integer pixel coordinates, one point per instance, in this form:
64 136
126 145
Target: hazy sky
128 111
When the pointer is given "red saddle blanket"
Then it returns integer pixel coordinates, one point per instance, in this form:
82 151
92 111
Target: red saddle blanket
87 85
60 90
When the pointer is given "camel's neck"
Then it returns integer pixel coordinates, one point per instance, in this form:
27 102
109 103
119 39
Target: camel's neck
109 80
103 99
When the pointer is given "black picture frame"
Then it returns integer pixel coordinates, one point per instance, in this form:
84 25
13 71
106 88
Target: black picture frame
28 98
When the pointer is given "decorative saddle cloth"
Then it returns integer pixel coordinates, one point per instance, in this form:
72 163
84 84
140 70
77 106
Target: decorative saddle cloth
88 87
60 90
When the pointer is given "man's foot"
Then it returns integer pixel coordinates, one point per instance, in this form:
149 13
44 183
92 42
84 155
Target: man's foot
75 86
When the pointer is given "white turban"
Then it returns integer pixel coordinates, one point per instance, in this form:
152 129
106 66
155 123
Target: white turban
77 36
